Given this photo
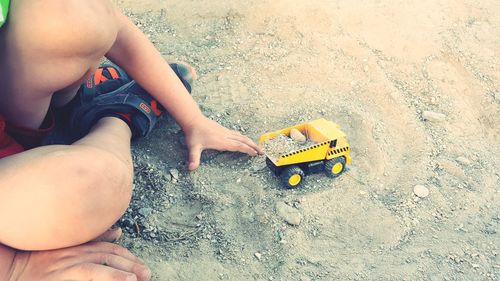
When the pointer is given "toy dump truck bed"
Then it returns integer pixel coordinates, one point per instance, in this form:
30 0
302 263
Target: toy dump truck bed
325 135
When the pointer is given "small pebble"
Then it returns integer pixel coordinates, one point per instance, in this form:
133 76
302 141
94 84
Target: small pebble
297 136
451 168
288 213
145 211
174 173
421 191
433 116
464 161
258 256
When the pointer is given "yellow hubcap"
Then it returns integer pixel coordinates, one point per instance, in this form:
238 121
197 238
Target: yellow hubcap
337 168
294 180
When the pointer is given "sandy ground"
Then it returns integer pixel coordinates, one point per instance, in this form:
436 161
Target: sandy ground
373 67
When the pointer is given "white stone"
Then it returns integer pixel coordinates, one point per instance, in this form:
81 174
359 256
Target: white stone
258 256
464 161
433 116
297 136
145 211
174 173
421 191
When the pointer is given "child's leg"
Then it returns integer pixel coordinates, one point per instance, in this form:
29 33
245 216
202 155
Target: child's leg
59 196
47 47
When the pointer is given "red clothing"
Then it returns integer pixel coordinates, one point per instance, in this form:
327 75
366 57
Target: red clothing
8 146
15 139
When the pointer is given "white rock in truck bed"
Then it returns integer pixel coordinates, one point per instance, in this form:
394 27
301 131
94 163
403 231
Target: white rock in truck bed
297 136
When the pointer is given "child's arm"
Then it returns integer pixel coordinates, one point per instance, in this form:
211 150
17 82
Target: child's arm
137 55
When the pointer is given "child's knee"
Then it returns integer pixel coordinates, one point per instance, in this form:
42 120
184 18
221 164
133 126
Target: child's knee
106 177
75 203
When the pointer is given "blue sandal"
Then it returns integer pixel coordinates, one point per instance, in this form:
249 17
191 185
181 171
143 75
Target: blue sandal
111 92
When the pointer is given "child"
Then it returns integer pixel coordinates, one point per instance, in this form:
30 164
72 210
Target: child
56 198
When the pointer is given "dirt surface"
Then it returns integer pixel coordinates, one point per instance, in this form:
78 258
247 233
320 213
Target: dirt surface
374 67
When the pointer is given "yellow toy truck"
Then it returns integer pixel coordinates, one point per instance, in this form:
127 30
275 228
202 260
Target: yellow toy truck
327 150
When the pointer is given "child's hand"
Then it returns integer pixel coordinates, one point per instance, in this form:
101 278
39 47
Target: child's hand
207 134
102 261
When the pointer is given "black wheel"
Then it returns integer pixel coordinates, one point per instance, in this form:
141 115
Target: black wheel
335 167
292 177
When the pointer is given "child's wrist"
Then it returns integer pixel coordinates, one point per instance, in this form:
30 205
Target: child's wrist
191 122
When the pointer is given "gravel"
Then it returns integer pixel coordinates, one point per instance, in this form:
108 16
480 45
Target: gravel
464 161
282 144
288 213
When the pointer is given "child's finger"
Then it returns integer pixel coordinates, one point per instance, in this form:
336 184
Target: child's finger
98 272
248 142
238 145
194 157
117 262
104 247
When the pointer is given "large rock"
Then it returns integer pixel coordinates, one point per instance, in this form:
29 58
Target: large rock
288 213
297 136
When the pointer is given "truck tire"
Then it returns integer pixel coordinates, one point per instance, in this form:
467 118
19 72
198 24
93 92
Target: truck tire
335 167
292 177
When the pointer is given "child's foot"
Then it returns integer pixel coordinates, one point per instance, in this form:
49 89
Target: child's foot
107 72
118 98
109 90
185 72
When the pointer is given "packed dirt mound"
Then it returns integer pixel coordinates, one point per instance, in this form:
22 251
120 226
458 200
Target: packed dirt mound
415 86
